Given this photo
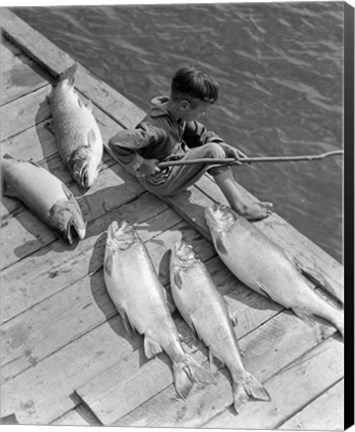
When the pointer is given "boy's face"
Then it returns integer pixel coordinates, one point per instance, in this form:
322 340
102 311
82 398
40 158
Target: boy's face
190 112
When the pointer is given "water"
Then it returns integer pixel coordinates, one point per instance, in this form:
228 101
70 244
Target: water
279 66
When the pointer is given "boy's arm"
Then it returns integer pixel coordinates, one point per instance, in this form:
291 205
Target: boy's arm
196 134
125 144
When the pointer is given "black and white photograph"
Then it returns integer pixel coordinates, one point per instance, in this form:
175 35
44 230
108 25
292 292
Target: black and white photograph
177 215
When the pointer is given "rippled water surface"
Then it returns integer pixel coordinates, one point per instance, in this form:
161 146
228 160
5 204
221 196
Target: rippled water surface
279 66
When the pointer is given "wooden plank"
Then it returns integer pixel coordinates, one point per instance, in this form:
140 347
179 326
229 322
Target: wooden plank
53 59
325 413
8 51
32 391
314 373
33 43
82 306
26 234
43 151
25 112
79 416
120 389
19 74
21 236
42 393
267 350
59 265
102 96
42 144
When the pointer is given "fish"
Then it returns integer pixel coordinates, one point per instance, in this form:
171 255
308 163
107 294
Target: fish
76 131
137 293
45 195
266 268
210 317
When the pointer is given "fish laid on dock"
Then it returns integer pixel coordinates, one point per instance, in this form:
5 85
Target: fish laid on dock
77 134
264 267
137 293
208 314
45 195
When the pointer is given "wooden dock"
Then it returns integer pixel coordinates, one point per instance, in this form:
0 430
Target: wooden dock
65 356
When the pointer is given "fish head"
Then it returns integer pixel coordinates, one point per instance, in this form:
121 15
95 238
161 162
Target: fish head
68 221
85 170
120 236
220 217
183 254
75 227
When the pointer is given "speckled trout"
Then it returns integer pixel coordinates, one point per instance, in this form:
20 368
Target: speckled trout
77 134
137 293
208 314
264 267
45 195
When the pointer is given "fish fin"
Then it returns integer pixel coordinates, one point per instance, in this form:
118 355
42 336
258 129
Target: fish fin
187 372
338 321
126 322
169 301
8 156
219 245
215 363
305 317
6 190
188 340
49 126
177 279
92 138
255 389
108 263
32 162
69 74
240 397
89 105
315 276
151 347
264 290
232 315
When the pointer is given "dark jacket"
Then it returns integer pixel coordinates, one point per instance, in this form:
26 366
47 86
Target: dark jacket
159 136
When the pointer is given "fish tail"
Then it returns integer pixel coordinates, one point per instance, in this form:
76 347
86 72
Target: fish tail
255 389
68 74
240 397
250 386
337 319
186 373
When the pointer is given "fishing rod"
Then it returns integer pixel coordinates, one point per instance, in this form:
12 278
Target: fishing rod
234 161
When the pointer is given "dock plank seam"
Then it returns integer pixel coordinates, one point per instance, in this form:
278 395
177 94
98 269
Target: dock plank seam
302 407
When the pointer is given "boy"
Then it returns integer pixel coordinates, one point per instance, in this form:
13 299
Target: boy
170 131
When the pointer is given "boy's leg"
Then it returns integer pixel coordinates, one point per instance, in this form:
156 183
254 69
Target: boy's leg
250 210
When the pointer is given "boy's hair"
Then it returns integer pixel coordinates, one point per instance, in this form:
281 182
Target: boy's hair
191 82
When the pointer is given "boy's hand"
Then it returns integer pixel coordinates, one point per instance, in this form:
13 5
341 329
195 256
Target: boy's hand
230 151
148 167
